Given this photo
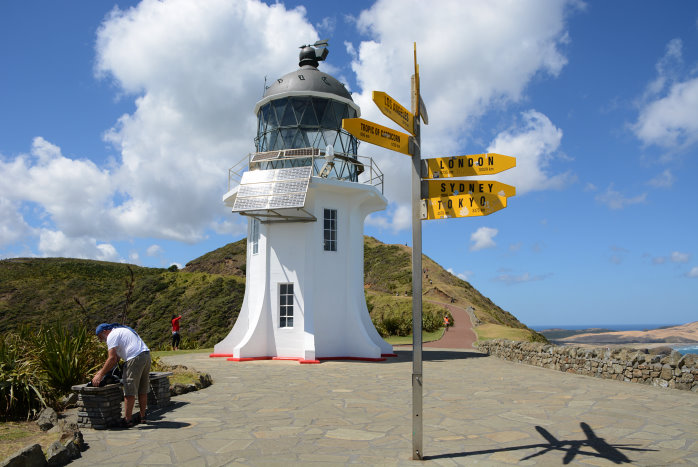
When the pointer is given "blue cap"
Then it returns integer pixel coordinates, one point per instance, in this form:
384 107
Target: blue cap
102 327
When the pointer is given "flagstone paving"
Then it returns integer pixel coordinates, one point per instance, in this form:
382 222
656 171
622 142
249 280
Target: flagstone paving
477 410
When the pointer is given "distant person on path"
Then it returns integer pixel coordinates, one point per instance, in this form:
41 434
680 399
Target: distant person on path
447 322
123 342
175 332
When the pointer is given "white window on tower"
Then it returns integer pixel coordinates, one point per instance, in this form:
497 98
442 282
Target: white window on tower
330 230
254 236
285 305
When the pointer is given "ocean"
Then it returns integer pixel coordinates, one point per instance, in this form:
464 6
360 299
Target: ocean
692 348
610 327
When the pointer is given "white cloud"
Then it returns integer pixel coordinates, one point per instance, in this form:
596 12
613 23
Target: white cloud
398 217
693 272
483 238
13 226
189 68
533 144
190 65
678 257
56 243
663 180
668 115
615 200
154 250
461 275
511 279
462 75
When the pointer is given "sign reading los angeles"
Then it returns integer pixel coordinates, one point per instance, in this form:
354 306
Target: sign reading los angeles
394 111
435 188
466 166
377 134
462 206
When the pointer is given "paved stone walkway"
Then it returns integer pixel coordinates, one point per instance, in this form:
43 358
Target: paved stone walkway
477 410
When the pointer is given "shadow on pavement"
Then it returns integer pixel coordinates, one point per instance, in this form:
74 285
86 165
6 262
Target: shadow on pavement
434 355
163 425
598 448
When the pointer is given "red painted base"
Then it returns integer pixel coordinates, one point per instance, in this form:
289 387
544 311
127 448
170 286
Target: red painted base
216 355
361 359
230 358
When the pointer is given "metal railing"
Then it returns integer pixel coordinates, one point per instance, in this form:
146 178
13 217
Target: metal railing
357 169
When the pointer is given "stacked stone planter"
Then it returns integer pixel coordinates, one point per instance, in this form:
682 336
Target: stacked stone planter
657 367
159 395
99 408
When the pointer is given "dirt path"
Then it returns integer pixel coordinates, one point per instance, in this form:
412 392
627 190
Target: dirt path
458 336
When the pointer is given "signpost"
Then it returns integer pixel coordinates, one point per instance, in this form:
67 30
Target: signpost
432 198
467 166
377 134
462 206
434 188
394 111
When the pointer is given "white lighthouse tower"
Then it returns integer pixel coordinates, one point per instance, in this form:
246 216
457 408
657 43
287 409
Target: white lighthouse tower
306 194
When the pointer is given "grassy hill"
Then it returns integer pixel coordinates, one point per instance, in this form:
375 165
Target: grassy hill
44 290
208 292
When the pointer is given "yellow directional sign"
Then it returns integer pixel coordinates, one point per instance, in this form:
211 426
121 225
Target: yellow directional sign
377 134
465 166
462 206
394 111
435 188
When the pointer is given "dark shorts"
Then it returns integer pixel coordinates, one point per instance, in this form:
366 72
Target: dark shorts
175 339
137 375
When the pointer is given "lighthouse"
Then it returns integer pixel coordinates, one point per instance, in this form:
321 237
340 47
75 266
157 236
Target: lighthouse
306 194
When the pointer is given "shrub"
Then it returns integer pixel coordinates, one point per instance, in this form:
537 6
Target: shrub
21 382
69 355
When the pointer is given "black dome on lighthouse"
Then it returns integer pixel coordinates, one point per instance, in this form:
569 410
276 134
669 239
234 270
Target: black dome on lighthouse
308 78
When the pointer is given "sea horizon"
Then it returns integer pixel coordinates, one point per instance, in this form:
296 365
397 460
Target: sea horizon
610 327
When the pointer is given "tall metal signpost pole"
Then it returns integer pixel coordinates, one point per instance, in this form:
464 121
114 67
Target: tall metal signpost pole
417 425
432 198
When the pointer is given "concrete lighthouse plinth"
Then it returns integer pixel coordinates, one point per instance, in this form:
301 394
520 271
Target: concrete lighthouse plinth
330 317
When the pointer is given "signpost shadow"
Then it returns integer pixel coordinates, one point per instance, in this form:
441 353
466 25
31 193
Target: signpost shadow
592 446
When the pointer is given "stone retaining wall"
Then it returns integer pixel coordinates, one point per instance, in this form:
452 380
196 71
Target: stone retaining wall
99 408
658 367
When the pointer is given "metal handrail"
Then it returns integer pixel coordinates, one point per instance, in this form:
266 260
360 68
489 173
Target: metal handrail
365 166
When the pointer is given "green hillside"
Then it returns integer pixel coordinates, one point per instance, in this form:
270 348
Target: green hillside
43 290
208 292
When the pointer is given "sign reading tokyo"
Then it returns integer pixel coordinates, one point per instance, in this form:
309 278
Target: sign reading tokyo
465 166
377 134
435 188
462 206
394 111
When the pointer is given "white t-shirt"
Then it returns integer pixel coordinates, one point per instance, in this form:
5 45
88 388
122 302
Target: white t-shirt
128 344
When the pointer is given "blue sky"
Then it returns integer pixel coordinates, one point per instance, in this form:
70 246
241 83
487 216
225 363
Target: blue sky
117 127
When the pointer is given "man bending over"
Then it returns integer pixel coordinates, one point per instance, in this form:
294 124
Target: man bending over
123 342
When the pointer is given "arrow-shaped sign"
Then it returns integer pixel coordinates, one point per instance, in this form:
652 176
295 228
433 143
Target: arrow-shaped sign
377 134
394 111
436 188
466 166
462 206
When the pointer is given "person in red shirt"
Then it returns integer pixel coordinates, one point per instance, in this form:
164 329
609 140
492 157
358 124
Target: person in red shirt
447 322
175 332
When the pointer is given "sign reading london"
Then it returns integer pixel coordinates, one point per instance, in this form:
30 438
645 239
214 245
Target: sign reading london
377 134
435 188
465 166
394 111
462 206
